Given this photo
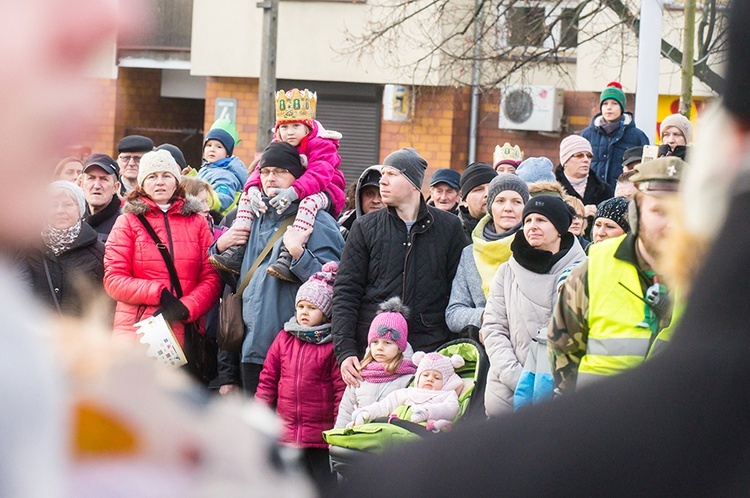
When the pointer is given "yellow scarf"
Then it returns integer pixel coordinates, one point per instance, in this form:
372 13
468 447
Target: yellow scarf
489 255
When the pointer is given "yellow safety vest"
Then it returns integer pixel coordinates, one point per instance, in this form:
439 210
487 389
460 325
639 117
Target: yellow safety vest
619 339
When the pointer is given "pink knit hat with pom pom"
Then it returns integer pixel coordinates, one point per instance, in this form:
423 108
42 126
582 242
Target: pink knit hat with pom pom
435 361
390 323
318 290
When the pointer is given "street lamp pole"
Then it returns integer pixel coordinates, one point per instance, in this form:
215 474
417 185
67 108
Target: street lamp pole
267 82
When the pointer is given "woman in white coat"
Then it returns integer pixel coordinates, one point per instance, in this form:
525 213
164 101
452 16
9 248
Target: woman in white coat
519 304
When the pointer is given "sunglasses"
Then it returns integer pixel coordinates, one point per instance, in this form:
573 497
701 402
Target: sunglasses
581 155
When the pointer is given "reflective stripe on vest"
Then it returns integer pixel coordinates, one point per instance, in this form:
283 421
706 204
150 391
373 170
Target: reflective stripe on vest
618 336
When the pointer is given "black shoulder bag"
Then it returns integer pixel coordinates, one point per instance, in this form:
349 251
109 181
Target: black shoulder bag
200 350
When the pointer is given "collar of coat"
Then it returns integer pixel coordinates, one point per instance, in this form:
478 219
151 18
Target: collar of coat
626 119
424 214
142 205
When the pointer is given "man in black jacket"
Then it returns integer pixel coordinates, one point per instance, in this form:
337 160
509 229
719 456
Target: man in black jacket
676 426
100 182
409 250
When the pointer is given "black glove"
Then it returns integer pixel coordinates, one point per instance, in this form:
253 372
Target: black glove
172 308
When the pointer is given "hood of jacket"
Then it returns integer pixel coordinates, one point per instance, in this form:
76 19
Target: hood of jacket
357 190
627 120
142 205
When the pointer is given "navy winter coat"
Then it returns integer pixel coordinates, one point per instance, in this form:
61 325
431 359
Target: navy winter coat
608 150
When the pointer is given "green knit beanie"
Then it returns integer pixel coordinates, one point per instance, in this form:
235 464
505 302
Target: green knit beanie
614 92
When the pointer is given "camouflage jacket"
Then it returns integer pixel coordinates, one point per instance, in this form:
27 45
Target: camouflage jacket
569 328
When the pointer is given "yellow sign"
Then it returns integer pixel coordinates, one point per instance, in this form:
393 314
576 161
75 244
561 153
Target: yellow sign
670 104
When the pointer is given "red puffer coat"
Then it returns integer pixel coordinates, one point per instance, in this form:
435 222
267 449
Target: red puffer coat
304 382
135 272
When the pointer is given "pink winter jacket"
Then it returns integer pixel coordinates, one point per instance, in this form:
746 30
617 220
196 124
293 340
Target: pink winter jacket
135 272
303 381
320 147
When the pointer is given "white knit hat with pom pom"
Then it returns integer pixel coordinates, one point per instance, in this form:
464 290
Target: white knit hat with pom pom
435 361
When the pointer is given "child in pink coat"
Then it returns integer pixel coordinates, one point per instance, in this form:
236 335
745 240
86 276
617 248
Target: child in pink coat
300 376
321 186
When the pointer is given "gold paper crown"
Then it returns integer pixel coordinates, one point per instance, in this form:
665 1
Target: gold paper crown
295 105
507 153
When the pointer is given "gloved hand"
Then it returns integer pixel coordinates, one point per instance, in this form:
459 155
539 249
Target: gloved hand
359 417
257 205
419 414
172 308
283 198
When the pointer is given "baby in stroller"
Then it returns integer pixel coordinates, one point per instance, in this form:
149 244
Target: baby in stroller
434 399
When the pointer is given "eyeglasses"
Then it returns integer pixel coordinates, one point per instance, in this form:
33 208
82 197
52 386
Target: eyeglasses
127 159
577 217
581 155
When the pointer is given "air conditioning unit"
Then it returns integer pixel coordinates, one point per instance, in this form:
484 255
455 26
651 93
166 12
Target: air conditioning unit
531 108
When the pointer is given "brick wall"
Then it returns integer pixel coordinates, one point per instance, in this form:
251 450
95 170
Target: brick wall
100 135
245 90
438 127
142 110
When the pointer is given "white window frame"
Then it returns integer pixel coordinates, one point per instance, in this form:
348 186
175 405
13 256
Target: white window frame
551 11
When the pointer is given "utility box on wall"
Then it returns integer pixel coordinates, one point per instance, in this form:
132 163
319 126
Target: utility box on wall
531 108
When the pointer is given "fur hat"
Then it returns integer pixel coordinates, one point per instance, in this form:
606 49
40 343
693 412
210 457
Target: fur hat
681 123
74 190
615 209
552 208
572 145
409 163
614 92
390 323
476 175
435 361
501 183
536 169
318 290
155 161
222 136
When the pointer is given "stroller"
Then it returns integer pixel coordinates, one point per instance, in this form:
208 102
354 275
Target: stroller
350 445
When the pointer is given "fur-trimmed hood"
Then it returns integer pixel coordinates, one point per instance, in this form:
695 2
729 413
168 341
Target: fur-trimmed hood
142 205
598 120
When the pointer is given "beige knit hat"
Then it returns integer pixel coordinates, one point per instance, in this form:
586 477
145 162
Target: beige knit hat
155 161
681 123
571 146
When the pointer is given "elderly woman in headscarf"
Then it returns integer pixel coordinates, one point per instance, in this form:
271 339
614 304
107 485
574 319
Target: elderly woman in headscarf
506 196
66 270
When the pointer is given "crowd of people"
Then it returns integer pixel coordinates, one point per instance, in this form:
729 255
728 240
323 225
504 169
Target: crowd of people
516 254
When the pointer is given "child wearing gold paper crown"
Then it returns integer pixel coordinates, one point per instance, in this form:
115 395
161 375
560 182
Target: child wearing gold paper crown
321 186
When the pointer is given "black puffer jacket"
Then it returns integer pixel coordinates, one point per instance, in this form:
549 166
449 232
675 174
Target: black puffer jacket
381 261
70 272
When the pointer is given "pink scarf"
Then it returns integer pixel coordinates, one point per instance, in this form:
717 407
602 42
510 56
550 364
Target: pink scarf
376 373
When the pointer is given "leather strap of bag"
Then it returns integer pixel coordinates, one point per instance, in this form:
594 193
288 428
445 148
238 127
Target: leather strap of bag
164 254
51 285
276 236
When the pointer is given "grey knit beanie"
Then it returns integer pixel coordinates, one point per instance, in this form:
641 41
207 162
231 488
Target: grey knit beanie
536 169
501 183
409 163
74 190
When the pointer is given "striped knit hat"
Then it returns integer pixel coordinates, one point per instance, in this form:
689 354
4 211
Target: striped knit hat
614 92
319 289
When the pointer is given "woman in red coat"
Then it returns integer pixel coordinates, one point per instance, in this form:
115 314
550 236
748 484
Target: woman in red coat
135 274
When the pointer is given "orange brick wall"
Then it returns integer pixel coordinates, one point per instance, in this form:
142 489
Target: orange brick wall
245 90
437 127
142 110
100 136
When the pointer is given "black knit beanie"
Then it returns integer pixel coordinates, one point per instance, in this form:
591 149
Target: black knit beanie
409 163
615 209
282 155
476 174
552 208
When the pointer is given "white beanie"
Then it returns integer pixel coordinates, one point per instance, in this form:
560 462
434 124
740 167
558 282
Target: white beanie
155 161
73 190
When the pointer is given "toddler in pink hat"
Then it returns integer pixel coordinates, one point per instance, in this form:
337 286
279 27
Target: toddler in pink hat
434 399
